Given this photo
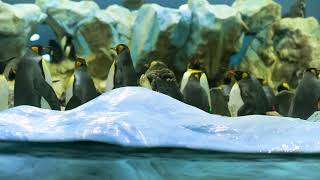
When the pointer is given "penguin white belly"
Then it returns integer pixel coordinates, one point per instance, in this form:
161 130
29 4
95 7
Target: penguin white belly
48 78
69 91
205 85
4 93
110 79
235 100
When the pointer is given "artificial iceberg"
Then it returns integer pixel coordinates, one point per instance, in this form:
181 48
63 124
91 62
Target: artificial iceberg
136 133
138 117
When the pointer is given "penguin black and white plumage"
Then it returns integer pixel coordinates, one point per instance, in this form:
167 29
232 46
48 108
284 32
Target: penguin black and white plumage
32 82
269 93
68 47
161 79
297 9
122 72
4 89
81 87
283 98
307 95
247 96
195 87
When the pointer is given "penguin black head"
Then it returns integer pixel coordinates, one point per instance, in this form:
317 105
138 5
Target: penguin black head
314 71
239 75
38 49
196 63
80 62
283 87
55 51
120 48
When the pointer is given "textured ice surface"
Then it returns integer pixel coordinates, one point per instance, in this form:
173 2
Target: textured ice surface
136 116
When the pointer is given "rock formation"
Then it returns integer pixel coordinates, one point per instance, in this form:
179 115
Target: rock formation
17 23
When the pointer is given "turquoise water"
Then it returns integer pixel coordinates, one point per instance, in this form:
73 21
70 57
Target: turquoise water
88 160
136 133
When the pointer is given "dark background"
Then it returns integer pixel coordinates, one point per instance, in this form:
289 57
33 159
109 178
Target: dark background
312 9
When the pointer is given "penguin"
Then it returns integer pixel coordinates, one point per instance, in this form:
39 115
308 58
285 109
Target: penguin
160 78
219 101
122 72
55 51
32 82
297 9
81 87
307 95
269 93
4 89
283 98
247 96
195 87
68 47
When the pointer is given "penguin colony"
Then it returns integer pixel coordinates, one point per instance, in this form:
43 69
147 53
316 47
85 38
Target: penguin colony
239 94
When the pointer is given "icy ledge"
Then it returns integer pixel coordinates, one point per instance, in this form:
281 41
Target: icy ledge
136 116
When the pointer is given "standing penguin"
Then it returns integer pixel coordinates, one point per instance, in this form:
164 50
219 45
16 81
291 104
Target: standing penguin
32 82
283 98
161 79
195 87
81 88
269 93
4 89
247 96
307 96
122 72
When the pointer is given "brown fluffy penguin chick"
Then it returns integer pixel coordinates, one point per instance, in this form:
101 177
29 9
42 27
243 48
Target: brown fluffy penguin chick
161 79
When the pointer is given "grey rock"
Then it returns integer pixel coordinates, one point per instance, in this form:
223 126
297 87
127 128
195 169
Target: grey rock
17 23
258 14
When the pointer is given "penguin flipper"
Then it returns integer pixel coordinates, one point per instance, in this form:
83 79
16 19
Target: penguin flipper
46 91
73 103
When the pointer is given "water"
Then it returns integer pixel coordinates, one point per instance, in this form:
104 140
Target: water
89 160
136 133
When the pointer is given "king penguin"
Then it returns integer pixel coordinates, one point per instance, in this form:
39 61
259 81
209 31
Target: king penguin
247 96
32 82
283 98
81 87
161 79
122 72
4 89
269 93
195 87
307 96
